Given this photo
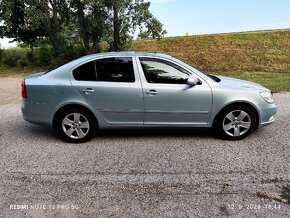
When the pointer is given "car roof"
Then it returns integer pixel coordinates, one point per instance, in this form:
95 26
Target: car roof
106 54
103 54
64 68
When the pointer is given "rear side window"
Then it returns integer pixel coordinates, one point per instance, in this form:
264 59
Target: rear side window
106 70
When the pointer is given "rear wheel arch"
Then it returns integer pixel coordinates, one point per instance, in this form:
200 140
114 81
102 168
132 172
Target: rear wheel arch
70 106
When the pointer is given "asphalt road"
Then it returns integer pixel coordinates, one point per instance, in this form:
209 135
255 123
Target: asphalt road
172 173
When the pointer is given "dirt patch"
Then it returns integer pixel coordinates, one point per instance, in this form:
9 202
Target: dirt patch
10 90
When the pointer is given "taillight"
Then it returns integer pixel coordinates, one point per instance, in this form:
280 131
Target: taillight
23 89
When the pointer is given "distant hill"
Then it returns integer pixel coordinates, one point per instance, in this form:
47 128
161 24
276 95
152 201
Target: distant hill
266 51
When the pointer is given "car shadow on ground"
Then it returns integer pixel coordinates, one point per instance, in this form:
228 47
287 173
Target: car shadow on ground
39 131
50 133
158 132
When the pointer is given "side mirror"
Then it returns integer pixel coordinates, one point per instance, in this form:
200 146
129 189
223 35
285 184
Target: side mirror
192 80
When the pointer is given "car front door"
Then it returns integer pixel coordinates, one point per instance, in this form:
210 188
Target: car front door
168 100
112 87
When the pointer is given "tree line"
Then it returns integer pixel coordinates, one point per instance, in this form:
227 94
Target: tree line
63 23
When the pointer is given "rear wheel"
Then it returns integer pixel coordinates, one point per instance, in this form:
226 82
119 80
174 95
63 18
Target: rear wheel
236 122
76 125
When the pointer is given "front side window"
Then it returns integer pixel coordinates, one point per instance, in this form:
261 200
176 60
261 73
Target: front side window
161 71
106 70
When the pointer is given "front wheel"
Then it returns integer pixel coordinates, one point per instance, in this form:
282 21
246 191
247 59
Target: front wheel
76 125
236 122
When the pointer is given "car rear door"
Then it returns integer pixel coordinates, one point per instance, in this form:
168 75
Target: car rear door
111 86
168 100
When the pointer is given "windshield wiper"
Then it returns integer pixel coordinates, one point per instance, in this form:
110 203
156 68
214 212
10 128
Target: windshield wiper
215 78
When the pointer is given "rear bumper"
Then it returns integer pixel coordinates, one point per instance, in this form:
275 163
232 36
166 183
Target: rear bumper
39 114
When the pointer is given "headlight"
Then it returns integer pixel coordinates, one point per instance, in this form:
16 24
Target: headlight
267 96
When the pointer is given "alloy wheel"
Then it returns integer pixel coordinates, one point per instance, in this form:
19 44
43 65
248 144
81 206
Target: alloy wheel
75 125
237 123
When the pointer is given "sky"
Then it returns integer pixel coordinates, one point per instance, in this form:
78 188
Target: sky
220 16
216 16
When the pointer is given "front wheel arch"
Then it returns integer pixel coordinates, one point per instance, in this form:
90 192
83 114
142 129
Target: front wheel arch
217 121
250 106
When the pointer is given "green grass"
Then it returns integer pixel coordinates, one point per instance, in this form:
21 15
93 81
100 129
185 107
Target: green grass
19 72
276 82
259 51
286 193
261 57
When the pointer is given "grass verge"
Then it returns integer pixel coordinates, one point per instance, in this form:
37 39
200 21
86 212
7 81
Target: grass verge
286 193
19 72
276 82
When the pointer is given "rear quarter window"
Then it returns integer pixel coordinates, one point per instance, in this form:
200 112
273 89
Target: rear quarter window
106 70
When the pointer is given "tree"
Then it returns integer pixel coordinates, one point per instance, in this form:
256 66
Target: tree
55 14
144 35
16 23
127 16
117 23
26 20
91 21
91 18
154 30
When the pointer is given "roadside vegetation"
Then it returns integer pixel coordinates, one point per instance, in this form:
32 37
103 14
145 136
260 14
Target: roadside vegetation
276 82
262 57
286 193
282 184
52 33
19 71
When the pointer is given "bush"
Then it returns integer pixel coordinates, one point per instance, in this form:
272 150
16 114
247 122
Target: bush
286 193
1 53
70 53
40 57
15 57
43 56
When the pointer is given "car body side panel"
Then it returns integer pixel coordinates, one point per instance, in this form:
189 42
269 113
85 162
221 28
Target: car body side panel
176 104
222 97
118 103
44 94
41 107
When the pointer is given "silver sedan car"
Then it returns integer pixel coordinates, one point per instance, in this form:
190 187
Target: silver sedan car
129 89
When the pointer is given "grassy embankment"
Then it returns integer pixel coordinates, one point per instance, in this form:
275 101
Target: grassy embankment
19 71
262 57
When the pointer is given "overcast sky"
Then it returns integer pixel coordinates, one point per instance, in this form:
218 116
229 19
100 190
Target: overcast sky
217 16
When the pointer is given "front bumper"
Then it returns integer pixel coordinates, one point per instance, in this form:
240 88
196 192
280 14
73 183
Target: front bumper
267 113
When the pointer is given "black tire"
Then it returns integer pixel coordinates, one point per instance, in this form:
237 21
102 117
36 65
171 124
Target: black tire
83 131
245 126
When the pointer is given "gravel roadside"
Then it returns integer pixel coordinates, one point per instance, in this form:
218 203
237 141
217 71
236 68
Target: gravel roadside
177 173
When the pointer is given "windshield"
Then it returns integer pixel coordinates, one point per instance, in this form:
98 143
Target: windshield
208 76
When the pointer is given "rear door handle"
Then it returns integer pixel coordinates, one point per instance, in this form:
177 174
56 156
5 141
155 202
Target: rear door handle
88 91
151 92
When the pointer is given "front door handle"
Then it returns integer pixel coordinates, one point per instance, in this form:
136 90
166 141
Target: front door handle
152 92
88 91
